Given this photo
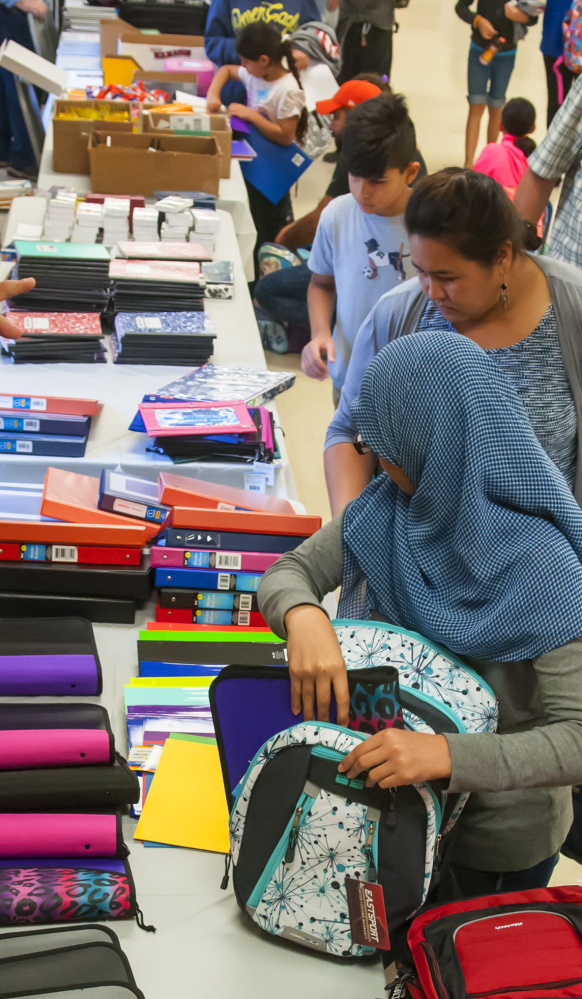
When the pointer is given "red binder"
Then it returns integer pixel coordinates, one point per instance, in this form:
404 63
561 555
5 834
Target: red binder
299 525
27 404
178 490
79 554
73 497
30 532
185 615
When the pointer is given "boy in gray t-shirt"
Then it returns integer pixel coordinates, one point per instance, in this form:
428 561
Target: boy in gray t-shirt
361 247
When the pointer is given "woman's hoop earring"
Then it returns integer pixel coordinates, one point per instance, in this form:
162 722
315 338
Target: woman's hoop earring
504 297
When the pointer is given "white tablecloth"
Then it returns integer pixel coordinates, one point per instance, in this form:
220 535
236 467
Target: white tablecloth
121 387
232 197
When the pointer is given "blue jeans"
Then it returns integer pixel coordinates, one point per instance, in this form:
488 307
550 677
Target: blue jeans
471 883
15 145
488 84
283 295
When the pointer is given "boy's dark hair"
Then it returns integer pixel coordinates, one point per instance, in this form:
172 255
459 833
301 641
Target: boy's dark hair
468 211
518 118
377 80
265 39
379 135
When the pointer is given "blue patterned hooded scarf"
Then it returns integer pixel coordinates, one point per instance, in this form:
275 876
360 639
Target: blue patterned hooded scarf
484 558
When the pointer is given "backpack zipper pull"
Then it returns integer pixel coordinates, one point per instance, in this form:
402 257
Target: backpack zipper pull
227 866
293 835
369 852
390 811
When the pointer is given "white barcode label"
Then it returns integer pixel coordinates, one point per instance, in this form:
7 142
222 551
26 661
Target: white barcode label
266 469
245 602
223 581
60 553
31 425
226 506
298 159
46 248
244 618
39 404
40 323
138 269
228 560
24 447
148 323
255 483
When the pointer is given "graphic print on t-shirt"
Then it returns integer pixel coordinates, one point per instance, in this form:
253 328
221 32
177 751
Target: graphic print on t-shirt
379 258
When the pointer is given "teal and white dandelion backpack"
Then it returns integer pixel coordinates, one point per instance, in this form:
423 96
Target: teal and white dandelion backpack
298 827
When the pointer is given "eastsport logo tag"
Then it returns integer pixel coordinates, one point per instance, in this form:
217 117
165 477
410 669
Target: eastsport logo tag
507 926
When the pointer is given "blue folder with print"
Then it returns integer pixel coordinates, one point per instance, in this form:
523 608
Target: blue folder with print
275 168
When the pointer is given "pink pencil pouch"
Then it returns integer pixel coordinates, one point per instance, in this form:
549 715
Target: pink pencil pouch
27 749
35 835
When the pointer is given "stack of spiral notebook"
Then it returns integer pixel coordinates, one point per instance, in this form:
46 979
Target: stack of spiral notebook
49 337
162 338
70 277
164 285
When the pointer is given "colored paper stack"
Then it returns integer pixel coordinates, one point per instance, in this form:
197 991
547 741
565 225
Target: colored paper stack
61 782
162 338
224 431
144 286
50 337
56 427
70 277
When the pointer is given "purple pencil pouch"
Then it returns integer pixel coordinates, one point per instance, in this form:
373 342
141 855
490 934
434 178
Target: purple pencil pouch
42 656
61 835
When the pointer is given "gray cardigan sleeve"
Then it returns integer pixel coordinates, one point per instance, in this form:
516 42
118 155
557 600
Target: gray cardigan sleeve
303 576
546 756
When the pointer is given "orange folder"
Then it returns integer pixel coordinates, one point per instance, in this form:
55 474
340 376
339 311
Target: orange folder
74 497
178 490
299 525
73 534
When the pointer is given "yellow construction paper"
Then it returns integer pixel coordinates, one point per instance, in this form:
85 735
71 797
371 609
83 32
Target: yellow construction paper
186 804
171 681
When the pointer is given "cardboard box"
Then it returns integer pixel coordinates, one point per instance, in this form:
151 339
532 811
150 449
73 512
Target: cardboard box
110 31
219 124
148 163
151 51
70 137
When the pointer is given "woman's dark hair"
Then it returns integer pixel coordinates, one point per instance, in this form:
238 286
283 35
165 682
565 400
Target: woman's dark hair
379 135
261 39
466 210
518 118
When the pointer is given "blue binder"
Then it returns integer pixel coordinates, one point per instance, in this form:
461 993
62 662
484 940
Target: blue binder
276 168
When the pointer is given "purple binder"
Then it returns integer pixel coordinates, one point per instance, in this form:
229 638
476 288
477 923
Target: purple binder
51 675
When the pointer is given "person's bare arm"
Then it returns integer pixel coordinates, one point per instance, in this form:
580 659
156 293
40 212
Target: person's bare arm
533 194
219 80
321 299
35 7
282 131
302 232
347 473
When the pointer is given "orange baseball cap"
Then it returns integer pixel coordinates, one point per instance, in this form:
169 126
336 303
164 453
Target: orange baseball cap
350 93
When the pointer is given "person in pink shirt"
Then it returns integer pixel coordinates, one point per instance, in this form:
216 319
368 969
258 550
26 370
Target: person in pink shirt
506 161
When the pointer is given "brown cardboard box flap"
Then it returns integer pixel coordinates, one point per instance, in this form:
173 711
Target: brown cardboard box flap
70 136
